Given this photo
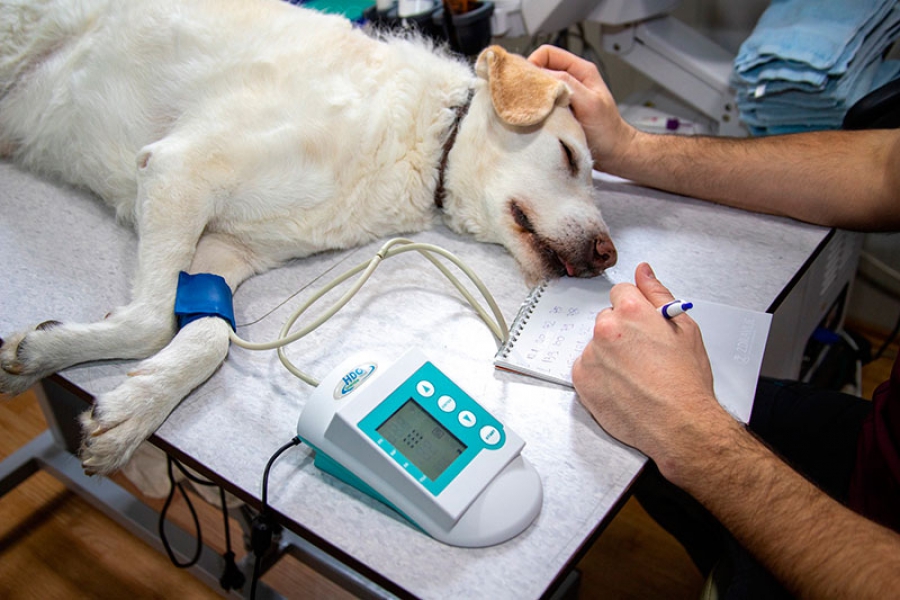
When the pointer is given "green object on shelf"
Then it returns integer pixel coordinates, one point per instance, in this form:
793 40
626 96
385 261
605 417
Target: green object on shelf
352 9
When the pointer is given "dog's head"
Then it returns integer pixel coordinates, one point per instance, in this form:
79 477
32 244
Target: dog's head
521 173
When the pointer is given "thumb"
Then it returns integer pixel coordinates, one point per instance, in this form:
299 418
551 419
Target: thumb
653 290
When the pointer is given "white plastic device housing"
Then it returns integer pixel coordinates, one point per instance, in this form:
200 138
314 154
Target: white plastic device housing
494 498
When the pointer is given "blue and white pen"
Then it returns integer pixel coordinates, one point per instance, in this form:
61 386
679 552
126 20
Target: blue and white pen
675 308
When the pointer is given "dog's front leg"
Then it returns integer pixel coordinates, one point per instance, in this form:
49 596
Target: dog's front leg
122 419
173 207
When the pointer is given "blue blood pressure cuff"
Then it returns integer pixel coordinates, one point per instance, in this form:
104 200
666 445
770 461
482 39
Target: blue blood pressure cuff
203 295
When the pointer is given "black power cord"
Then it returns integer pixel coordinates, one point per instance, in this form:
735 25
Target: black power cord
232 578
263 527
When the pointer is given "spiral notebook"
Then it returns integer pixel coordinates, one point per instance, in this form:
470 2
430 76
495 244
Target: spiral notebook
556 321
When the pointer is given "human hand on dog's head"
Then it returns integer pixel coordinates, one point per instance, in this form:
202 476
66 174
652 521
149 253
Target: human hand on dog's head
608 134
647 380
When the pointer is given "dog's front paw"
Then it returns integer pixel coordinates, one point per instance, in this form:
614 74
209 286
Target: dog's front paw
107 447
120 421
20 365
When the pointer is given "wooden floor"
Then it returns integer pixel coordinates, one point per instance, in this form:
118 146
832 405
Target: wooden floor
54 545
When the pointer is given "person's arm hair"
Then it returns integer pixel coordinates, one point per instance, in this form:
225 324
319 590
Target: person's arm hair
815 546
648 382
848 179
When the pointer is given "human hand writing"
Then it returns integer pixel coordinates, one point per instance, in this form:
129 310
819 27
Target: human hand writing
647 380
591 102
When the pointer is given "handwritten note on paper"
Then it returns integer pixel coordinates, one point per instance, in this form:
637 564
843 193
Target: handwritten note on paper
555 324
557 321
562 336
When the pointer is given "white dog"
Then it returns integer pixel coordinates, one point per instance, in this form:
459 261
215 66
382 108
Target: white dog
238 134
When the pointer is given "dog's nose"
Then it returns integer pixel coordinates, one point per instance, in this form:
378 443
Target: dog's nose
605 254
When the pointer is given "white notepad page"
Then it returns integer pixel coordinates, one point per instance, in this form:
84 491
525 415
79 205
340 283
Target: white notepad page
556 322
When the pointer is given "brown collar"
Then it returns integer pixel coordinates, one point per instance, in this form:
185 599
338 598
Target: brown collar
440 192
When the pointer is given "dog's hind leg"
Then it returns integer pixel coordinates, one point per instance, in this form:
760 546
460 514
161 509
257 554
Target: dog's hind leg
123 418
174 206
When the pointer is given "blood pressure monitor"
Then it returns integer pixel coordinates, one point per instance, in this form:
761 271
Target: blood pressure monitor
409 436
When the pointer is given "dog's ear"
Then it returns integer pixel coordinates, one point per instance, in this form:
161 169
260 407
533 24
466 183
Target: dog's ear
522 93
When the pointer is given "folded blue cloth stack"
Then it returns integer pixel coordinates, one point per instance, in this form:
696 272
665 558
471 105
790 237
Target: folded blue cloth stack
808 61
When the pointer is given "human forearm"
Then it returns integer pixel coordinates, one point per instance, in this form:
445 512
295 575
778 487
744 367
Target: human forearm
842 179
848 179
811 543
814 545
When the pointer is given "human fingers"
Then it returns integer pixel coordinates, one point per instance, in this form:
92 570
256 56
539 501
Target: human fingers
556 59
631 369
639 375
634 315
592 103
582 99
629 301
652 289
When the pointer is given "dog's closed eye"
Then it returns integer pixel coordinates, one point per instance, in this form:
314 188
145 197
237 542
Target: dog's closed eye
571 160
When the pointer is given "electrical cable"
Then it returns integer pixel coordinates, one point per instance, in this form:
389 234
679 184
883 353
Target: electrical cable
263 527
299 291
231 578
162 520
391 248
